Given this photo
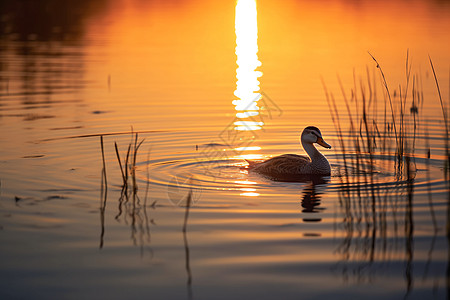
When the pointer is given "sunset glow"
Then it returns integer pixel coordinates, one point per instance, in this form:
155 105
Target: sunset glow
144 154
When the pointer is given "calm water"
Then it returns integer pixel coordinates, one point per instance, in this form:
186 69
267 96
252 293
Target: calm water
208 84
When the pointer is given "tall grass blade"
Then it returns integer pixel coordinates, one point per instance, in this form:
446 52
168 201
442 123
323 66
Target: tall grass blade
120 163
388 94
103 195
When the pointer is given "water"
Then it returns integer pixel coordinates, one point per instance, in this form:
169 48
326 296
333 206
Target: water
168 71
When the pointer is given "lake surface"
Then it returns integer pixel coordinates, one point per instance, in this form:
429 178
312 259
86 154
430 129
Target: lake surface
193 88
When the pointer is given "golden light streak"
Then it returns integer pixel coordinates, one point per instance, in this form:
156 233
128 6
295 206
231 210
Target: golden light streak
249 148
248 189
244 182
251 156
250 194
247 85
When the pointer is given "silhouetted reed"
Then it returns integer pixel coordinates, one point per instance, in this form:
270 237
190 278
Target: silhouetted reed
129 200
447 151
103 195
364 139
129 203
186 245
128 167
378 214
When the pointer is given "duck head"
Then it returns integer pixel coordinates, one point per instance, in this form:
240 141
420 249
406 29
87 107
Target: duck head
311 135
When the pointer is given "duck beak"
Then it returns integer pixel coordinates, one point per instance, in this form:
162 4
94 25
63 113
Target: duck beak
322 143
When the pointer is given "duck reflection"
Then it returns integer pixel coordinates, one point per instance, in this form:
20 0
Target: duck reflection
311 202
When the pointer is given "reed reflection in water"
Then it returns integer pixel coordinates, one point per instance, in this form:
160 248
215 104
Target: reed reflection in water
381 182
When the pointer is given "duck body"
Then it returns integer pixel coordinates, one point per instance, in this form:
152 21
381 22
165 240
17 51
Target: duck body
296 165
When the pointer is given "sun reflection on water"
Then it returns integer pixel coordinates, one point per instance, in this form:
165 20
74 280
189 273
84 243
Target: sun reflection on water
248 118
250 194
247 85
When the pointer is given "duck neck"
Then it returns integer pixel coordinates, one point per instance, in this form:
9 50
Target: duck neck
313 153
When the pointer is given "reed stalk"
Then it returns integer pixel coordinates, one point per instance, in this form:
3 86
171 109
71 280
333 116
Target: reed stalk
186 245
446 123
387 92
124 179
103 195
377 218
447 152
103 160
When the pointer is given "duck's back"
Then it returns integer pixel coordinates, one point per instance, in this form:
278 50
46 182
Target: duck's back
281 165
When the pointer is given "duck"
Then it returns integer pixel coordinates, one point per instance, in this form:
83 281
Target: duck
288 165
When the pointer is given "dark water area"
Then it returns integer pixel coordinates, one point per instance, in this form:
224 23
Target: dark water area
125 127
